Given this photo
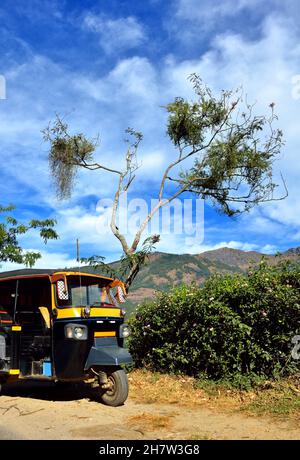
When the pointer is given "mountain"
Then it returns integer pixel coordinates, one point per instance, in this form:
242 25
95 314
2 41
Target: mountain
165 270
292 252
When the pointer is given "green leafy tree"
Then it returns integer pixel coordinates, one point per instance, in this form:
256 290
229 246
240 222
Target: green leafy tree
232 152
11 229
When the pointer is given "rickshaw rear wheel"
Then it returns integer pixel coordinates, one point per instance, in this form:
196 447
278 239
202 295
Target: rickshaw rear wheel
117 392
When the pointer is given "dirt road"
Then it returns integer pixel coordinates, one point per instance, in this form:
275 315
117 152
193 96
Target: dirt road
43 411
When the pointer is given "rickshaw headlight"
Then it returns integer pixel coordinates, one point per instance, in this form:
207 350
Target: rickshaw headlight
124 331
76 331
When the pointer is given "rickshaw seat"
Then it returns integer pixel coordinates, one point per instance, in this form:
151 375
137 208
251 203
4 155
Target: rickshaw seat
32 321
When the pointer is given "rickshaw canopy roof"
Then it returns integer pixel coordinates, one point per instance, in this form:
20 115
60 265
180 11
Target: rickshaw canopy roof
53 274
30 272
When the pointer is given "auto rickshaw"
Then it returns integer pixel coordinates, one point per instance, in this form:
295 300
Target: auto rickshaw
64 326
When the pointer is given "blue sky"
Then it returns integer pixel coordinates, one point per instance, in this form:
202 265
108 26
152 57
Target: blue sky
106 65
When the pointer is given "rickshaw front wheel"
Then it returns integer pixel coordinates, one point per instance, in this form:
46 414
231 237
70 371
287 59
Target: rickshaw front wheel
117 391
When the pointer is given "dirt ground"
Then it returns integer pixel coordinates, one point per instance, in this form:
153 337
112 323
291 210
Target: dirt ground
44 411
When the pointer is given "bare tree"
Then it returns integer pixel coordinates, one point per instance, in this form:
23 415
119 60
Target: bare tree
233 152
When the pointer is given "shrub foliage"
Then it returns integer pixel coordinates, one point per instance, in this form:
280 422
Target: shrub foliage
233 325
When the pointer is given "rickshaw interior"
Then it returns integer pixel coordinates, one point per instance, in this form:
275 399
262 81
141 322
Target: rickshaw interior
27 302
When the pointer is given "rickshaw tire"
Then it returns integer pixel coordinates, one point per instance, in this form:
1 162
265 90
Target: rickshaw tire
119 394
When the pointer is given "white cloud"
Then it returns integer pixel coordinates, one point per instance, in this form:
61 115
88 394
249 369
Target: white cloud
32 10
226 244
209 12
131 94
177 244
133 78
48 260
269 249
115 35
259 224
79 223
243 246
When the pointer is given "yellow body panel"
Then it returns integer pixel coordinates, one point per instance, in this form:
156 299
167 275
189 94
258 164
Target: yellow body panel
105 334
66 273
95 312
105 312
46 315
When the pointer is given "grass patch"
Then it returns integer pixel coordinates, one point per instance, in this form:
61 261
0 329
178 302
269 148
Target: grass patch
148 387
281 398
236 383
272 398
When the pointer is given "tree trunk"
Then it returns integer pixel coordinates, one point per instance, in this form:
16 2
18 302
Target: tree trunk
131 276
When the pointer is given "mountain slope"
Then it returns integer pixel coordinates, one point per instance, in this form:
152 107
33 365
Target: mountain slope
165 270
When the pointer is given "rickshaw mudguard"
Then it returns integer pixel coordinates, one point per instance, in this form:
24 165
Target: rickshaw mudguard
107 356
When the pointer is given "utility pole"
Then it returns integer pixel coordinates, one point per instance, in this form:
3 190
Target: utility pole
77 250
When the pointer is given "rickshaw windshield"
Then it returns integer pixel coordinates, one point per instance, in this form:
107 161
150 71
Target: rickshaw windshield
86 291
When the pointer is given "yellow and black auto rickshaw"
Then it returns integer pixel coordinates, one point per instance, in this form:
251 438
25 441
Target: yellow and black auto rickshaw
64 326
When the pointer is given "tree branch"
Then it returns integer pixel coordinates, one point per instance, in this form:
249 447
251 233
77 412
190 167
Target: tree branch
113 224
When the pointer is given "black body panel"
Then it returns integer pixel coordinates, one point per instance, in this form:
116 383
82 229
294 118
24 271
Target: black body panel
107 352
71 356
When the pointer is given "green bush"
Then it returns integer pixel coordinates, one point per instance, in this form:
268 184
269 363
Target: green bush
233 325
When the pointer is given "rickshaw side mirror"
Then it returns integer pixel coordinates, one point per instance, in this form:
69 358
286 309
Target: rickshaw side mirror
62 291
